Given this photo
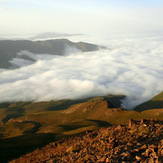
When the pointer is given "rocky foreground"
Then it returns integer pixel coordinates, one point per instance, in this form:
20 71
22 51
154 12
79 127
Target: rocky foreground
140 141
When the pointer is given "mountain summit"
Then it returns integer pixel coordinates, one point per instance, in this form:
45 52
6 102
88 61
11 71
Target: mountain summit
140 141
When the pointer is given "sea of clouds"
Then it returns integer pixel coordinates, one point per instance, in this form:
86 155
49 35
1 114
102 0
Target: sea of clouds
132 66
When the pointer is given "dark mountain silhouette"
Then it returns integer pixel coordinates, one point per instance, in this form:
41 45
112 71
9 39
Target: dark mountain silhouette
9 49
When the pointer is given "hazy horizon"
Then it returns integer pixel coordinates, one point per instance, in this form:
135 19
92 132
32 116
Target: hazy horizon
132 64
27 17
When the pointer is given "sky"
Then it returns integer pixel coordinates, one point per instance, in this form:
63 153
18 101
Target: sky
76 16
132 65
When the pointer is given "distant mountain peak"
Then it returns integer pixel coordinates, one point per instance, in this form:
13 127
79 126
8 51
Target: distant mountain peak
48 35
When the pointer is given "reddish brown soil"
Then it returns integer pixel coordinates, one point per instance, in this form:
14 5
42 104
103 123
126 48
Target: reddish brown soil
140 142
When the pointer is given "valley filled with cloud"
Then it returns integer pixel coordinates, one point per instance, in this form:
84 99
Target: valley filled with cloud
131 66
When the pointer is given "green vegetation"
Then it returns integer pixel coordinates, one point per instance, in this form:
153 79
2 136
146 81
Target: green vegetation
154 103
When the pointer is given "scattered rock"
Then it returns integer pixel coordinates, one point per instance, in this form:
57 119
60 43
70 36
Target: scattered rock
141 141
138 158
144 147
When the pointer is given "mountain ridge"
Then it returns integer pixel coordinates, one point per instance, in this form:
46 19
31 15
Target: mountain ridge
53 35
24 126
155 103
10 48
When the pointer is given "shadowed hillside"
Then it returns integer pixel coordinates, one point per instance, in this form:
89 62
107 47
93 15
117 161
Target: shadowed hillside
155 103
9 49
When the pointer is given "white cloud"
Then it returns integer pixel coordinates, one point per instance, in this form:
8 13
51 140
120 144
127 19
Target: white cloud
133 67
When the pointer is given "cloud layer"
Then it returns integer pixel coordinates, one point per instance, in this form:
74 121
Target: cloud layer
132 67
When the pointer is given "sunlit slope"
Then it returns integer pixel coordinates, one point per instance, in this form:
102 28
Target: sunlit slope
66 115
24 126
54 113
155 103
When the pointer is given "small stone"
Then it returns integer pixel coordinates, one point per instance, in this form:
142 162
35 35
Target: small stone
107 160
144 146
130 123
129 144
102 159
138 158
136 150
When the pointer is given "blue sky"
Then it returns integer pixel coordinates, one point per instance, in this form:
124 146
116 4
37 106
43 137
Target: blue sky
80 16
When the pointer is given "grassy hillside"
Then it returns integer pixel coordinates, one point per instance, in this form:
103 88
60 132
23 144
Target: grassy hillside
155 103
25 126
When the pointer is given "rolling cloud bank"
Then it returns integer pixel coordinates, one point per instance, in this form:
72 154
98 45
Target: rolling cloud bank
130 66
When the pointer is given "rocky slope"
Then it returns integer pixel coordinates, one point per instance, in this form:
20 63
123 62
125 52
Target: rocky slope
26 126
140 141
